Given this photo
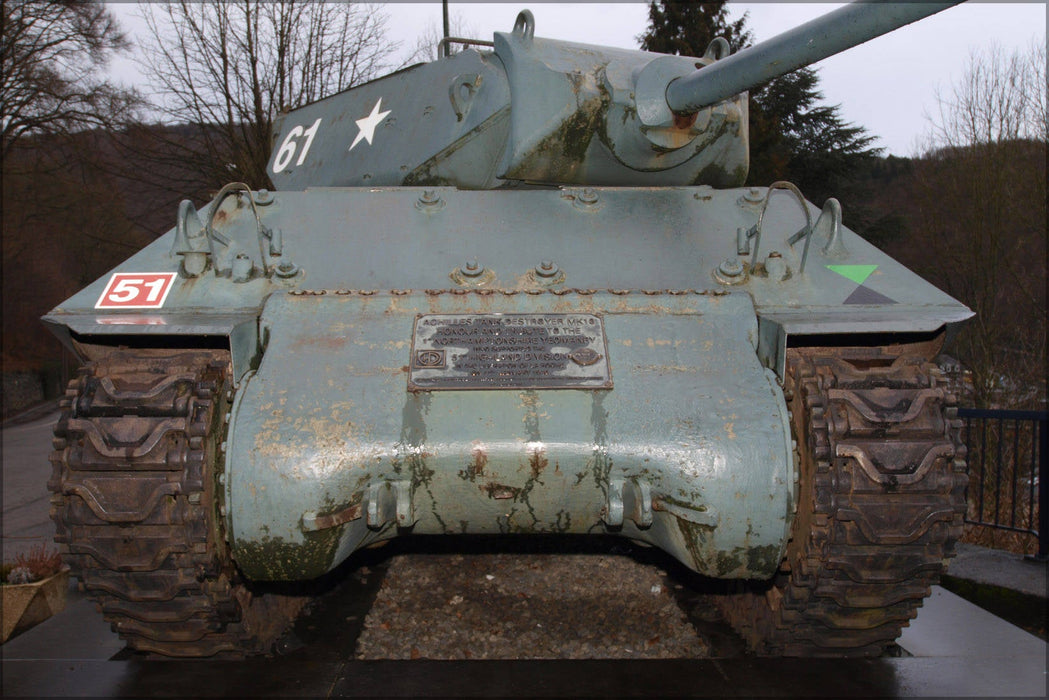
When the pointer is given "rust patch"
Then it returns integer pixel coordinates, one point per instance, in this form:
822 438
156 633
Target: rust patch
325 342
685 121
698 541
500 492
475 467
538 462
350 513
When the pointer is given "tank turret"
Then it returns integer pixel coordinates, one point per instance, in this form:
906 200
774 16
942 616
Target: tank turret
531 110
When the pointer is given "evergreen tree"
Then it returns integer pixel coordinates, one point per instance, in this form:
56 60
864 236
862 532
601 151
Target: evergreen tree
792 136
687 28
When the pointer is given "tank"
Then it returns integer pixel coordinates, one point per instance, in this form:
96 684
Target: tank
516 290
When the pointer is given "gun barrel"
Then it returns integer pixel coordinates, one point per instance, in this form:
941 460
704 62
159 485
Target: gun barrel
813 41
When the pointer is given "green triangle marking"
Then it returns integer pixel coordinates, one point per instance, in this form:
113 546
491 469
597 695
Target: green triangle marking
856 273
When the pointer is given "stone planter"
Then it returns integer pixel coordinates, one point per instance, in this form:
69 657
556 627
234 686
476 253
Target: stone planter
28 604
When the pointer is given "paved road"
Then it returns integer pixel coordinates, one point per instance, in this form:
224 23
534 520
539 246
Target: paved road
26 469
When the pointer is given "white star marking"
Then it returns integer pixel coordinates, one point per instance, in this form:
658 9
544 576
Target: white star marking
368 124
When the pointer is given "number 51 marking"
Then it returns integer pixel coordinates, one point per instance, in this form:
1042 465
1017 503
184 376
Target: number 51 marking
136 290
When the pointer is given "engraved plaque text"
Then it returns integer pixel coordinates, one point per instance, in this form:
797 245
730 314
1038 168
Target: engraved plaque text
509 351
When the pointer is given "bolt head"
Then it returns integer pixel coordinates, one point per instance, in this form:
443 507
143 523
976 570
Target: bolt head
546 268
471 268
430 198
286 269
776 266
429 201
731 268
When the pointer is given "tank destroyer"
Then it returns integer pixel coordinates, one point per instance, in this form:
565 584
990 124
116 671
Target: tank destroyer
520 289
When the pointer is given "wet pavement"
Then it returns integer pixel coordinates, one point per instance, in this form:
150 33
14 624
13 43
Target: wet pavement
953 648
996 567
956 649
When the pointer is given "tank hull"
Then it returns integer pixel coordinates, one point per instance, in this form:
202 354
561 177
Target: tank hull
330 450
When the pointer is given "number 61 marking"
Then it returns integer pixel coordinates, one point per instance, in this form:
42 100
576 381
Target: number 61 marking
136 290
287 149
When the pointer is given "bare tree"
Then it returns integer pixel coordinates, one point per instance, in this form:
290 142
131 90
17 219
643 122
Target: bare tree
427 43
229 68
61 219
1001 97
50 58
983 206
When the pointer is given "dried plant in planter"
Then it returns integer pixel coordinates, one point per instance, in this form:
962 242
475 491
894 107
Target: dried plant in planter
35 565
45 583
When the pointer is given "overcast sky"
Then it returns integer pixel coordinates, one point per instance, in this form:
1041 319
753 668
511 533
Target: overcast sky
887 85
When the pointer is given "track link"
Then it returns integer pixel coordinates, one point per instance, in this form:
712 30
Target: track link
882 502
135 503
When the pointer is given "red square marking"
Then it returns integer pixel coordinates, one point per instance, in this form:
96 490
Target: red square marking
136 290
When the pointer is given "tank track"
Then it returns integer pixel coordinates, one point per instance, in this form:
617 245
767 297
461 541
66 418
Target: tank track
136 505
882 502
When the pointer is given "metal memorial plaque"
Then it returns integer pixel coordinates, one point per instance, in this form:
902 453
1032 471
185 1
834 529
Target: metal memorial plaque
509 351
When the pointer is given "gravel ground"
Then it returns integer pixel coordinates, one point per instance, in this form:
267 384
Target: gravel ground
525 606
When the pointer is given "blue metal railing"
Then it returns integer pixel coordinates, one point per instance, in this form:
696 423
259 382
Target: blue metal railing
1008 452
